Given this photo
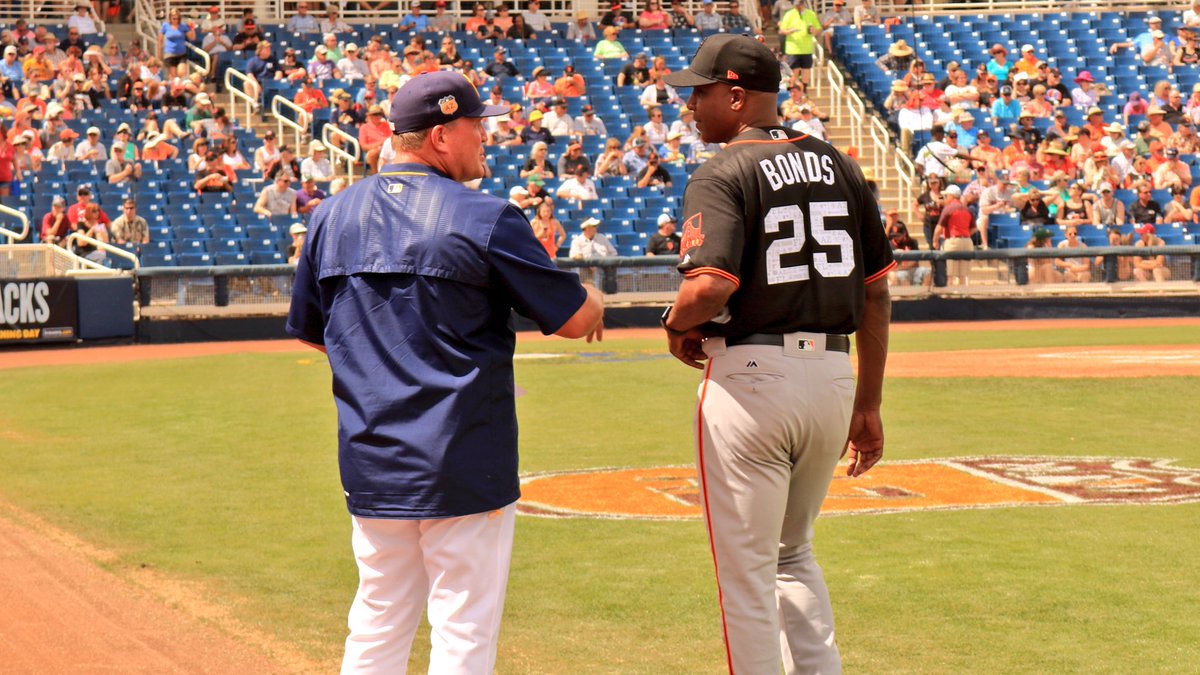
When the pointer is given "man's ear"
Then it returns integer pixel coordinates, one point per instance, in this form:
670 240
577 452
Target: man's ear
737 98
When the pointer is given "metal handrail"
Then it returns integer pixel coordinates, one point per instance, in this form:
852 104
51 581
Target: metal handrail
338 153
145 24
105 246
278 102
205 65
19 215
241 94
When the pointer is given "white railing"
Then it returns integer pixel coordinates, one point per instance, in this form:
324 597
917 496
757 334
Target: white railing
247 95
205 65
927 7
85 264
328 133
14 236
278 103
146 25
890 165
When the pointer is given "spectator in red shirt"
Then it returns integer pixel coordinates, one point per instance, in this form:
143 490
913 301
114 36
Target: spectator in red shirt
373 134
55 225
953 231
84 195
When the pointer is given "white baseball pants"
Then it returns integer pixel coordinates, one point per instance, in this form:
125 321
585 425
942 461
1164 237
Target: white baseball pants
458 567
770 429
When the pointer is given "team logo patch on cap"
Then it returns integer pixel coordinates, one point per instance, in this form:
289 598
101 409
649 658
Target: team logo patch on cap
692 235
730 75
448 104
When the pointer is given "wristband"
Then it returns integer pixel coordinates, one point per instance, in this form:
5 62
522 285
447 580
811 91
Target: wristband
663 321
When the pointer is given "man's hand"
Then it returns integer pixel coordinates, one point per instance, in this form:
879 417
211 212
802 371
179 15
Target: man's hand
865 442
687 347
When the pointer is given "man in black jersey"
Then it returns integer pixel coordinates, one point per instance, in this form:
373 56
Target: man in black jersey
783 255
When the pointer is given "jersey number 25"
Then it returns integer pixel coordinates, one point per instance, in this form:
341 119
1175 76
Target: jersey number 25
777 273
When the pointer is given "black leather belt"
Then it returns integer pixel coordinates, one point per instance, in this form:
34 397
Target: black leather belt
833 342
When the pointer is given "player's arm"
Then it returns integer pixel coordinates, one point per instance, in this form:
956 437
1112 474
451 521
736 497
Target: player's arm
865 440
701 297
588 320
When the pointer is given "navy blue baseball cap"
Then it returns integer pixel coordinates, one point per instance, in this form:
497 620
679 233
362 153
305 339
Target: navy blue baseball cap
437 98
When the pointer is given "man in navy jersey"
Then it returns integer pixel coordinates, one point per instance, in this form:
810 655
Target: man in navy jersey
408 281
783 256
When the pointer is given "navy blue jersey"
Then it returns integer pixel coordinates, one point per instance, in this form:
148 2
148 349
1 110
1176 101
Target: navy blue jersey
409 280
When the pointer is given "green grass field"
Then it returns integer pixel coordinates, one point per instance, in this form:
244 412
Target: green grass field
222 471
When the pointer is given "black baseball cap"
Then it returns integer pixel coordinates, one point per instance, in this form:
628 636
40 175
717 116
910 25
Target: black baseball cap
437 98
738 60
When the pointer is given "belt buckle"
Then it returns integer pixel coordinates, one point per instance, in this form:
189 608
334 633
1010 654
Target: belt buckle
804 345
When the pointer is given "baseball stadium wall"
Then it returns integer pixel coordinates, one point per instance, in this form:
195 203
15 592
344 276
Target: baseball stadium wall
181 304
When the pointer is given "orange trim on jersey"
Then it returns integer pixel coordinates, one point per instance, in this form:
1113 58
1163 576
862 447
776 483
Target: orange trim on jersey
714 271
880 273
707 516
403 173
773 140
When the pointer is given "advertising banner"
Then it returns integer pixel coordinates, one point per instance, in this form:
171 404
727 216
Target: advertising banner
38 310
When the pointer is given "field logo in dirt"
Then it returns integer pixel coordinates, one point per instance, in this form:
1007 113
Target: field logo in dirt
672 493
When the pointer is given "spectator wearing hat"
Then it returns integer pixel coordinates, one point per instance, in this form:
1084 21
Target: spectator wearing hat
248 37
1159 129
12 74
1142 41
504 134
63 149
1172 172
558 121
707 20
317 163
998 66
579 187
539 87
159 148
500 66
1107 210
665 241
1041 270
1184 51
298 233
617 17
414 21
571 84
322 68
277 199
55 224
1185 139
582 30
373 135
634 74
90 149
1134 105
898 60
935 158
1158 52
83 21
810 124
589 244
573 159
926 96
37 66
83 197
332 23
1085 95
906 272
653 174
1154 267
309 196
310 98
285 164
610 47
672 151
351 66
953 232
536 131
837 15
589 123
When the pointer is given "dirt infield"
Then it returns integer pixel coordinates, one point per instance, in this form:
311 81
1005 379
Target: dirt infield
64 613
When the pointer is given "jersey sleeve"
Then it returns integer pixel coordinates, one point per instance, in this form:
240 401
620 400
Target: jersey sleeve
536 288
306 318
713 233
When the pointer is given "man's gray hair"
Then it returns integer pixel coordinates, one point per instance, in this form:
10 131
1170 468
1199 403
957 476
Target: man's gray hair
410 141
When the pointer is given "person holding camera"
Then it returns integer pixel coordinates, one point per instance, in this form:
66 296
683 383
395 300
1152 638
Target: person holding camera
653 174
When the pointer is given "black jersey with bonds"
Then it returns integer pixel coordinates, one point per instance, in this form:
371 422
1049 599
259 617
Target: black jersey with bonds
791 221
